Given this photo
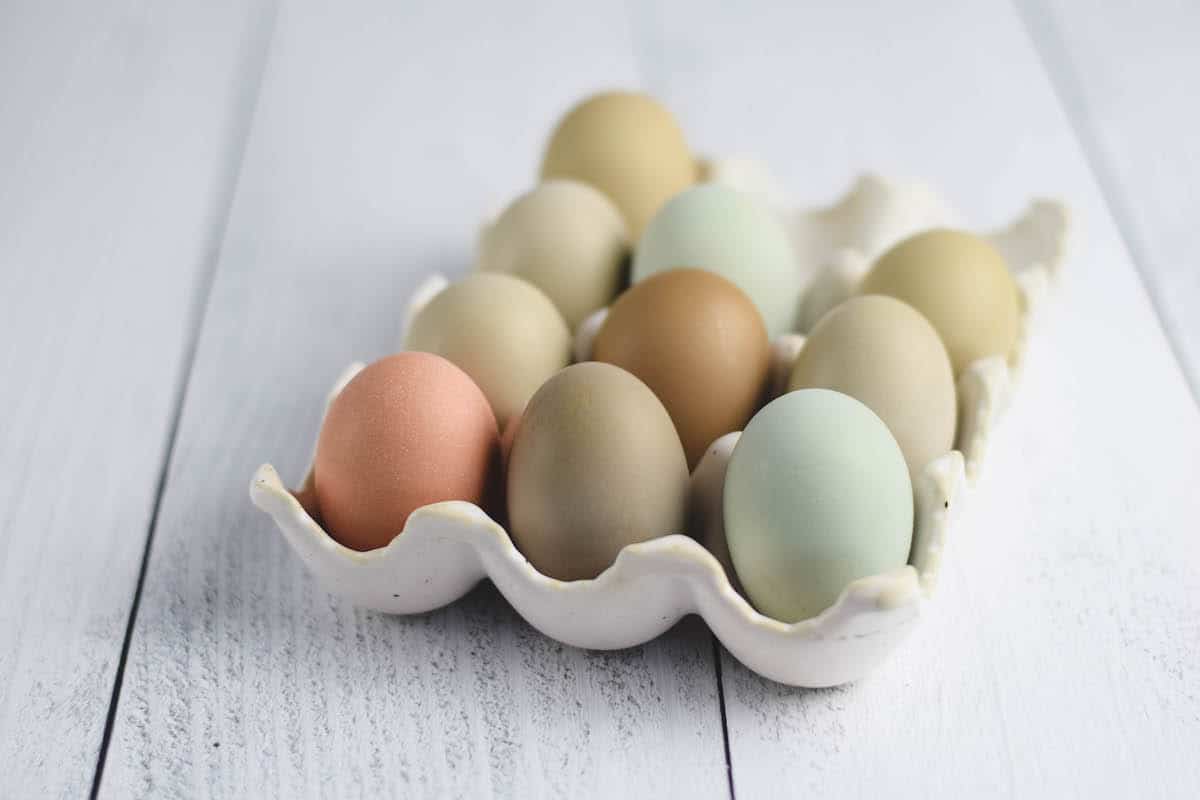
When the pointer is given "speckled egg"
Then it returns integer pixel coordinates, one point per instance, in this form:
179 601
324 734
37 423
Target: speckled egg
408 430
816 495
595 465
961 284
627 146
567 239
732 234
881 351
502 331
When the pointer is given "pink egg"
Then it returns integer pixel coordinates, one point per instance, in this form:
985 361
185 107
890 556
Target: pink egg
409 430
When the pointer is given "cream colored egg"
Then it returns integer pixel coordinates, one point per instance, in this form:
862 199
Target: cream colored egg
502 331
566 238
961 284
884 354
627 146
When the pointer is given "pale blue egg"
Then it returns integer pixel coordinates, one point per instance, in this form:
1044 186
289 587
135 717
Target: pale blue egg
817 494
721 230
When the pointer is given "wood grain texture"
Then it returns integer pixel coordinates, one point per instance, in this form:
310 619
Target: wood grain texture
383 136
1061 658
119 125
1127 77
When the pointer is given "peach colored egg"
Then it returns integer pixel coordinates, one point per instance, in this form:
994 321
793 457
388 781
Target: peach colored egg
409 430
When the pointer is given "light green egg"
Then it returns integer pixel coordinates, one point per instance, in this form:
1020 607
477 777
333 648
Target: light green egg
724 231
817 495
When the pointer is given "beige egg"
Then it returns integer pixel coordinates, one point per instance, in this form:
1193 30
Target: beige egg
961 284
567 239
627 146
502 331
887 356
595 465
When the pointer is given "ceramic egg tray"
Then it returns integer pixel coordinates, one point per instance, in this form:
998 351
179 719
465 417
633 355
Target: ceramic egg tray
447 548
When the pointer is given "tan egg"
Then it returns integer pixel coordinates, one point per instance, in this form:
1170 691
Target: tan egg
502 331
961 284
699 343
407 431
887 356
567 239
627 146
595 466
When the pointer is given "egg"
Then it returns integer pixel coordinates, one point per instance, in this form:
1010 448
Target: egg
699 343
961 284
721 230
408 430
502 331
627 146
567 239
882 352
595 466
816 495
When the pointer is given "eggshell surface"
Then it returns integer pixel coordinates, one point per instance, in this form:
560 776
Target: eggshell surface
732 234
567 239
883 353
627 146
595 465
502 331
408 430
699 343
817 495
961 284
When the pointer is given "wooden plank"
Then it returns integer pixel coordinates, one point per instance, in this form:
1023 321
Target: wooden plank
120 127
1060 660
382 138
1127 78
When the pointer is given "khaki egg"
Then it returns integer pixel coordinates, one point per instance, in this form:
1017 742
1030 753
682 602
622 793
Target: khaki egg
887 356
595 466
502 331
567 239
961 284
701 346
627 146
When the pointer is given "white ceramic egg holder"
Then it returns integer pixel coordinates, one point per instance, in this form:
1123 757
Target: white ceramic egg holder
447 548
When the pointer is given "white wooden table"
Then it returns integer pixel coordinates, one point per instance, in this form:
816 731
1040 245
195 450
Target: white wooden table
207 209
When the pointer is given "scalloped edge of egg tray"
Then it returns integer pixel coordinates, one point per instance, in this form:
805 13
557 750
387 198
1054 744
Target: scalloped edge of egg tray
446 548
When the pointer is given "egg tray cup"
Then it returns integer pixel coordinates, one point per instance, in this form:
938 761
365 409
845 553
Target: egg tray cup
447 548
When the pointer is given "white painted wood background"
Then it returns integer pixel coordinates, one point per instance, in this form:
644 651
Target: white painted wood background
206 210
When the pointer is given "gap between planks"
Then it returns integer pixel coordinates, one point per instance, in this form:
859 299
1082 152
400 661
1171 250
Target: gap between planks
255 66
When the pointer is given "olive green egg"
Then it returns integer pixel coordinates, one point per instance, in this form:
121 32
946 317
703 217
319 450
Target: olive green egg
961 284
816 495
884 353
721 230
595 465
502 331
566 238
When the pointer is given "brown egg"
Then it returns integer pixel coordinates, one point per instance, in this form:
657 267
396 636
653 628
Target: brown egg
627 146
409 430
699 343
595 466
